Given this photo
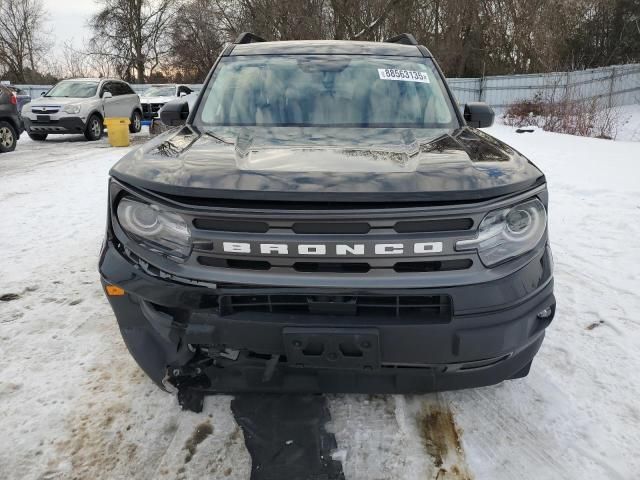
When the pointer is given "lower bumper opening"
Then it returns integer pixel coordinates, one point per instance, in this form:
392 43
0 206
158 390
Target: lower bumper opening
405 307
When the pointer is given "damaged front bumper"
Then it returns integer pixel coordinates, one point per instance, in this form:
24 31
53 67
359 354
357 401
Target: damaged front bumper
185 338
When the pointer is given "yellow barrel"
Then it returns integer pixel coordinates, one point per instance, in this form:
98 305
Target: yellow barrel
118 130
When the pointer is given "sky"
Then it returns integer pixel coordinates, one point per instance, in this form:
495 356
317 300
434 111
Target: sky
67 20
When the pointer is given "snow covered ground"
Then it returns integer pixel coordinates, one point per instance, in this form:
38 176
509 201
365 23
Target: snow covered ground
73 404
628 124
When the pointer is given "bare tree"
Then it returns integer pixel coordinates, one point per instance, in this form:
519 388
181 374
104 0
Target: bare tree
74 63
197 35
132 35
144 38
22 38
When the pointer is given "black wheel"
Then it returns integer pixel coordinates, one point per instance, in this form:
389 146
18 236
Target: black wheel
8 137
38 137
94 129
136 122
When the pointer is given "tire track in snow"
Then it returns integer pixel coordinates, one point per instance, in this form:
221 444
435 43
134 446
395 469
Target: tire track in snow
442 440
383 437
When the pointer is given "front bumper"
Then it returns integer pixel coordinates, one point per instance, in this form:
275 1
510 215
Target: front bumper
492 334
62 124
150 110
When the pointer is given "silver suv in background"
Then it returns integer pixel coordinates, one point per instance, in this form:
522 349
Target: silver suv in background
156 96
80 106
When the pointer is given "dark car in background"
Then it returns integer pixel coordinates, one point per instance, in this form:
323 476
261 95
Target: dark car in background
325 219
10 121
22 96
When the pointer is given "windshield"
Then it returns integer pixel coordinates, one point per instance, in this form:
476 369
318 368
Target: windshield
160 92
326 91
73 90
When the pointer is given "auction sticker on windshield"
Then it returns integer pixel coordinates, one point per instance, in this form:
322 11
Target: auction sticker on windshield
403 75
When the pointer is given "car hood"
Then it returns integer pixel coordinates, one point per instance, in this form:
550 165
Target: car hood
57 100
328 164
156 99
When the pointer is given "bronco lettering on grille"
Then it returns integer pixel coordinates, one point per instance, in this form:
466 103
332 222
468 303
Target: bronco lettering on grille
357 249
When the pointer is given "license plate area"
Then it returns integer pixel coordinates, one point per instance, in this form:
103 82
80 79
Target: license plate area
332 347
43 118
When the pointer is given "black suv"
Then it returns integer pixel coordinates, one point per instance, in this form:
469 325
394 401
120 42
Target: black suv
10 121
325 219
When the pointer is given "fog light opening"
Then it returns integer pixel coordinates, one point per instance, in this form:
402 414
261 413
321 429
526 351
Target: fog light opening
546 313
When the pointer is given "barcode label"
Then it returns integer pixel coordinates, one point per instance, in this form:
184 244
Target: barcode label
402 75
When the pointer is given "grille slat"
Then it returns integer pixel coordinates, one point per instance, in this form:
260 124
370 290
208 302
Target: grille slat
239 226
318 228
430 226
336 267
333 228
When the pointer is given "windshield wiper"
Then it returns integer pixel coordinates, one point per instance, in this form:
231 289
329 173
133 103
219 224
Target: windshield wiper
218 138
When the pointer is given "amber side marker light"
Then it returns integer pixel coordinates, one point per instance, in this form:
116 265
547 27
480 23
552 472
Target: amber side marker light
114 291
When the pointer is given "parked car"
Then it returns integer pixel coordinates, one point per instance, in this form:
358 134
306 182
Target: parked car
156 127
154 97
10 122
80 106
327 220
22 96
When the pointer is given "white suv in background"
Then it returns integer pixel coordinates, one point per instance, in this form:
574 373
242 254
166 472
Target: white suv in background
156 96
80 106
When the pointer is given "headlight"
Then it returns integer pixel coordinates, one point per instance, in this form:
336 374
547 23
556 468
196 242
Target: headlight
71 108
508 233
158 230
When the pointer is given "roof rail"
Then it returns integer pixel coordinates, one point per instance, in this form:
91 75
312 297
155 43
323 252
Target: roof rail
403 38
248 37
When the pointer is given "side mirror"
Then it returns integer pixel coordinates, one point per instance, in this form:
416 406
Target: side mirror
478 114
175 113
42 94
107 95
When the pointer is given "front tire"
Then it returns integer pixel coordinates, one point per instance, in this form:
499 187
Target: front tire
8 137
94 129
38 137
136 122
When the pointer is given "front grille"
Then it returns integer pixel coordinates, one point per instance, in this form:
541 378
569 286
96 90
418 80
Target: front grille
430 308
150 110
331 242
45 110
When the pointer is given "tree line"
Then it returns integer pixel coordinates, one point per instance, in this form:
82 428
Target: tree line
178 40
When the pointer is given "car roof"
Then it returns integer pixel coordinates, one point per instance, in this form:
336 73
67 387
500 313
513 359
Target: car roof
319 47
97 80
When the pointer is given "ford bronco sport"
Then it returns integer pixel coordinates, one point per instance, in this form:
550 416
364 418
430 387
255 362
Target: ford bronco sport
325 219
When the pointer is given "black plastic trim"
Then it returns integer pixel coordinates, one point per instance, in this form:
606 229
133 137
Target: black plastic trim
403 39
248 37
